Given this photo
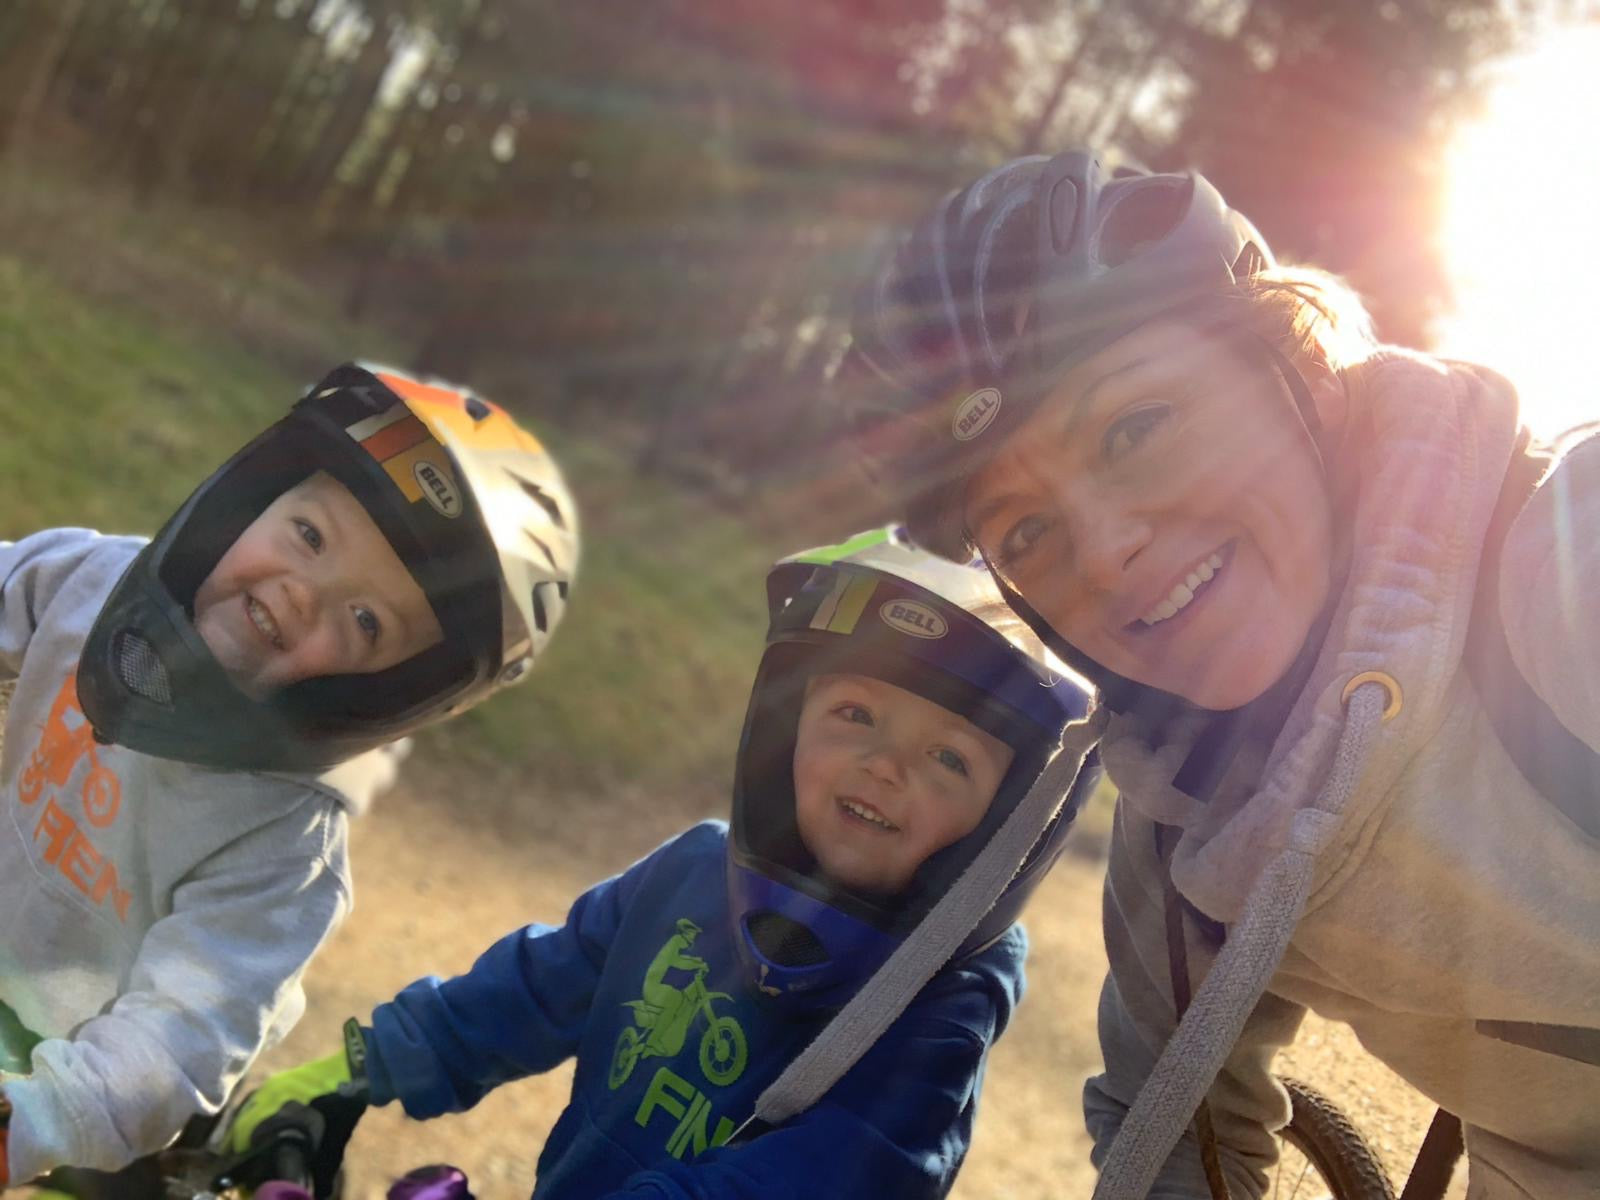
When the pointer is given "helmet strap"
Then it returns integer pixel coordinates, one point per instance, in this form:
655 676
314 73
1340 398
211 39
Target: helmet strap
1300 391
1117 693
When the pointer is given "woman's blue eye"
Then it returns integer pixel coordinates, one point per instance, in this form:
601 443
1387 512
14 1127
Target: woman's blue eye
369 623
1128 431
855 714
1022 537
310 534
950 759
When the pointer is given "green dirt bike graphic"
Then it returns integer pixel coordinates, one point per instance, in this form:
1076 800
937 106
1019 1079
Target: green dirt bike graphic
662 1019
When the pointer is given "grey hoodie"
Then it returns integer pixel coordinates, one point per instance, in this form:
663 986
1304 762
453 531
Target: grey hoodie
1412 880
155 918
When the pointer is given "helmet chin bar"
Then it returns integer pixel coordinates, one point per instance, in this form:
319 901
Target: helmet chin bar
147 681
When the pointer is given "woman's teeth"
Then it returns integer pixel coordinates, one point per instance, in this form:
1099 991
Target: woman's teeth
263 621
866 814
1178 599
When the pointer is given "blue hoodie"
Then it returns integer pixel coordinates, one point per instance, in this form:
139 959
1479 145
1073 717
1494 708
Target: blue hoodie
643 984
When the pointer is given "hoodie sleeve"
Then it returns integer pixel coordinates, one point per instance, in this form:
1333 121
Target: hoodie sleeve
899 1123
1549 577
441 1045
1137 1016
32 571
210 981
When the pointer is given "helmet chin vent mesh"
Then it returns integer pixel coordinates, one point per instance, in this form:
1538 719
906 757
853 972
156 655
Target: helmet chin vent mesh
785 942
139 668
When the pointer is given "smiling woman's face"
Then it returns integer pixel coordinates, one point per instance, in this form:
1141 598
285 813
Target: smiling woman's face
1165 512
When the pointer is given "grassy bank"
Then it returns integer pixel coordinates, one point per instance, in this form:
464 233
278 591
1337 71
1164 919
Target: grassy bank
110 414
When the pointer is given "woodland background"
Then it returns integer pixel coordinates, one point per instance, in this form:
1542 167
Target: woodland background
638 226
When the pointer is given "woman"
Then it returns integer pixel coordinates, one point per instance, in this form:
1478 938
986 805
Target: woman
1261 535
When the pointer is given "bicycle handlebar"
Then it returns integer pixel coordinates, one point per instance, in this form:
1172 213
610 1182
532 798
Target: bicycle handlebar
280 1161
289 1161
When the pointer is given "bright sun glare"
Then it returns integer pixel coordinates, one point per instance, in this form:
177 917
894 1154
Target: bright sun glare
1522 238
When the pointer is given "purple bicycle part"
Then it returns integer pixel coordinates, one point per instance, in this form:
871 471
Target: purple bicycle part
437 1182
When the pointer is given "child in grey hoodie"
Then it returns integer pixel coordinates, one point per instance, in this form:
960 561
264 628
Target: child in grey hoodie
173 851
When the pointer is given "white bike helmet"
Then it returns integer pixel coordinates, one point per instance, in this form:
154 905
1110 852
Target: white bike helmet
471 503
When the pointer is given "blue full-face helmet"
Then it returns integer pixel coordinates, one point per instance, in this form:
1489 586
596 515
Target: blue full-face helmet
877 606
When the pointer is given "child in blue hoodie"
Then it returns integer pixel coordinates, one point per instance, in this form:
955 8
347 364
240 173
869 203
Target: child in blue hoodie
890 732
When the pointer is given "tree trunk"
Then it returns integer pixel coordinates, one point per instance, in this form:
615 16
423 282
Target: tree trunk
1034 138
63 19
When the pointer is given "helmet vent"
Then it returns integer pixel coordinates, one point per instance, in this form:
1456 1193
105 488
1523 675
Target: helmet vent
785 942
547 502
549 556
1141 219
140 668
1250 261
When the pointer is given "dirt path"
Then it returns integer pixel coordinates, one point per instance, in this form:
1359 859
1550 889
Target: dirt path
437 881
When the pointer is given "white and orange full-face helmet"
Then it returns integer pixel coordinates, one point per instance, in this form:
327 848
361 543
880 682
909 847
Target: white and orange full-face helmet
470 501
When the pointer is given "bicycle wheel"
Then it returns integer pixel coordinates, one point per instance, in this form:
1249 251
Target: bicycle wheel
1323 1155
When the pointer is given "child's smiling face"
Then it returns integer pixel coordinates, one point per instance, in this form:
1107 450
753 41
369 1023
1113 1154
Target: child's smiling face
884 778
311 588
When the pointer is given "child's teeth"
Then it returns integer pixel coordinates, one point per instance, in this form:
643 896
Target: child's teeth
264 622
1179 597
867 815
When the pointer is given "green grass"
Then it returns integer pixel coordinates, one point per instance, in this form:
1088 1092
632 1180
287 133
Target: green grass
110 415
648 676
108 421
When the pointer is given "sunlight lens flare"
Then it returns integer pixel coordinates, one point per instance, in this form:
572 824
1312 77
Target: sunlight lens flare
1522 235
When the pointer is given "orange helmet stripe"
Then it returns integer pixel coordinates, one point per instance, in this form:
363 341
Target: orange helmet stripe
392 439
412 390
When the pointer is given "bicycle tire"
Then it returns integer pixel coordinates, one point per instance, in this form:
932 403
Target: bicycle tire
1321 1131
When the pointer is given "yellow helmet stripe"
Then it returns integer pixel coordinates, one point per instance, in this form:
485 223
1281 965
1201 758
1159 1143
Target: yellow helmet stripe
411 456
843 606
